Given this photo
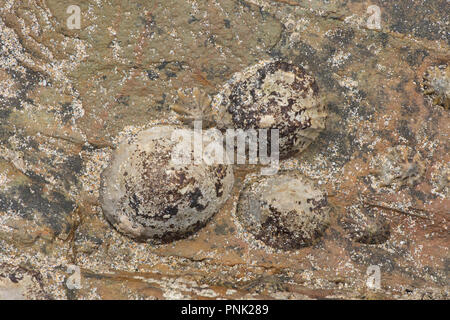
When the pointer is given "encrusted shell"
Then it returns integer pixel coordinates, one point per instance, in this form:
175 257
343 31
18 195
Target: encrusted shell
273 95
285 211
146 195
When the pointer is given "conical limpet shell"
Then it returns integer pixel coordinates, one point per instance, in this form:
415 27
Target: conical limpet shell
436 83
146 195
273 95
366 225
285 211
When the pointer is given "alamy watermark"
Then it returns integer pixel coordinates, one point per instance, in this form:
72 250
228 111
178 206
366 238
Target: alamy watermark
208 146
374 277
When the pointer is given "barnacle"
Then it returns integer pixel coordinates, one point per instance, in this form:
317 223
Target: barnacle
285 211
436 83
400 166
148 195
440 179
365 225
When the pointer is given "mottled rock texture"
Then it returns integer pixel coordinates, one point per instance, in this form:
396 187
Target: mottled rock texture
68 96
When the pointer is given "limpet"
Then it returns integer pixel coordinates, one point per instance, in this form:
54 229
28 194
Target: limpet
285 211
399 166
148 196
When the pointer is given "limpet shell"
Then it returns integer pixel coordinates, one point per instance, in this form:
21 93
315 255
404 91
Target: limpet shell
399 166
148 196
365 225
273 95
285 211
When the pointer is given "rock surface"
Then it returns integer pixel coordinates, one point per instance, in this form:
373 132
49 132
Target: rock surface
67 96
284 211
